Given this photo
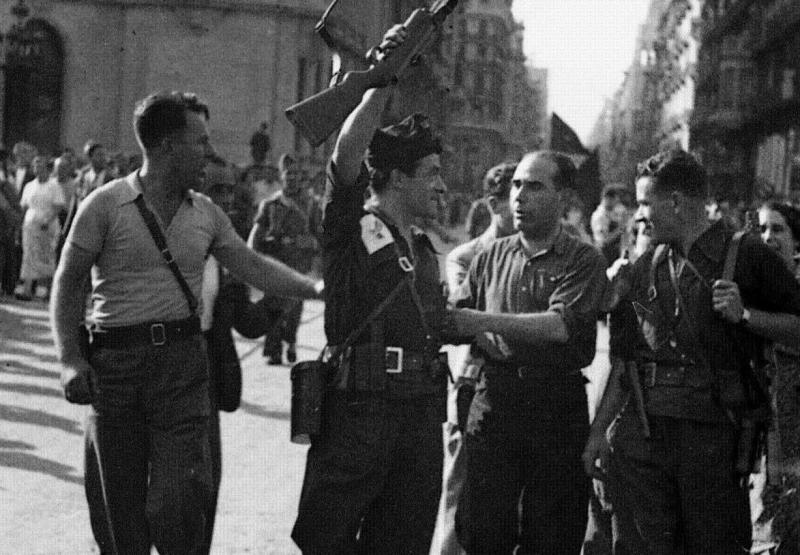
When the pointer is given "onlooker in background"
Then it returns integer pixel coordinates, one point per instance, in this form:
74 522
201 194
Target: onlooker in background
261 180
775 497
496 187
97 172
281 229
64 175
42 200
23 154
118 164
573 220
10 225
478 218
608 222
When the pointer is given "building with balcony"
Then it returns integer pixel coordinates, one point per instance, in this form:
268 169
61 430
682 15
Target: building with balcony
496 103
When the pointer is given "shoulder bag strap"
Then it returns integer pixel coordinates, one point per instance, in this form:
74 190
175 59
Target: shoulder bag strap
161 243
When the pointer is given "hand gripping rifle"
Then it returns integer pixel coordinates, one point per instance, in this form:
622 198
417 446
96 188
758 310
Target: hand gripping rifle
320 115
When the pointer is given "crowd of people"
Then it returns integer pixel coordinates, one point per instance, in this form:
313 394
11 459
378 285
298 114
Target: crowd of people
486 449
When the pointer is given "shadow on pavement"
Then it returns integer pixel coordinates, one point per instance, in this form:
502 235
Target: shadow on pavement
39 418
15 368
258 410
27 389
32 463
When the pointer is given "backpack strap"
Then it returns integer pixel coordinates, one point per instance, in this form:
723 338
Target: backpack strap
658 256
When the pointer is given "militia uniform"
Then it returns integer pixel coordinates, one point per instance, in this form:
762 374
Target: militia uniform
373 476
677 492
286 237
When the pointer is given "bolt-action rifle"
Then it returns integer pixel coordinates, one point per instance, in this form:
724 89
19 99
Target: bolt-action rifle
320 115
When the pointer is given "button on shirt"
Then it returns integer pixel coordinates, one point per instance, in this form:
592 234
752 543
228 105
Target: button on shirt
131 282
567 278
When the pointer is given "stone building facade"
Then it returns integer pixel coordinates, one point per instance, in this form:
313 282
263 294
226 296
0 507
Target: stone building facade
748 106
249 59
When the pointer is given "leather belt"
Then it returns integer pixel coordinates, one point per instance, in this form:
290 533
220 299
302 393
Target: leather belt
150 333
368 368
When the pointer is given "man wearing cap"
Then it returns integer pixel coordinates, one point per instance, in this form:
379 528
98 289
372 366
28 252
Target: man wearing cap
282 229
146 370
538 291
373 476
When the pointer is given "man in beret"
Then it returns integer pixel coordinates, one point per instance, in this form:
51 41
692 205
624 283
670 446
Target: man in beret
373 476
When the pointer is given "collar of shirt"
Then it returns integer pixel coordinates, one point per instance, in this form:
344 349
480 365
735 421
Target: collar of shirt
133 189
558 246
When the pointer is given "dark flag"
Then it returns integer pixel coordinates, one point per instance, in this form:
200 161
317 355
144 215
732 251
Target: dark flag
563 138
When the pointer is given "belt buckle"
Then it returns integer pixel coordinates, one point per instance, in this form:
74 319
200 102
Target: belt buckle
394 360
158 334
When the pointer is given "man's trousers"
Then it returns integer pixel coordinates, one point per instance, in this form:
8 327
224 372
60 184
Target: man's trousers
373 477
147 465
676 492
525 487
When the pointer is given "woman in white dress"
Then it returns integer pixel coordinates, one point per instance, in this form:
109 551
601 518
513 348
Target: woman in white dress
41 201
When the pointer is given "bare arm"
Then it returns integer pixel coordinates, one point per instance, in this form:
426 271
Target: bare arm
67 311
267 274
360 125
68 302
534 328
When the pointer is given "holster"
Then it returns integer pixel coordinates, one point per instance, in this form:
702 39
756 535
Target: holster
752 427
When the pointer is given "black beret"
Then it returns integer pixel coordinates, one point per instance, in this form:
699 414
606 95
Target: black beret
402 144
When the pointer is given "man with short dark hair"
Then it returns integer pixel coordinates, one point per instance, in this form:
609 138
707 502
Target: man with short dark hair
373 475
145 372
538 291
96 173
685 340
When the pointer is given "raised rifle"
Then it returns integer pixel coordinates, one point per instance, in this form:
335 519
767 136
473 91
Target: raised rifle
318 116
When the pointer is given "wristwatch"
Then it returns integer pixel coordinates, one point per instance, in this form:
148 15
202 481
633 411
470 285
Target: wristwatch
745 318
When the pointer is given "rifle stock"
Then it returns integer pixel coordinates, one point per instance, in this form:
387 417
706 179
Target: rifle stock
320 115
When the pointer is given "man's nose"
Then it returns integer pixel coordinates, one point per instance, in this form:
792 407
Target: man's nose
210 151
640 214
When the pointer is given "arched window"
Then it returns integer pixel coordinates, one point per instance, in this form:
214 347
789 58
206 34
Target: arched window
33 91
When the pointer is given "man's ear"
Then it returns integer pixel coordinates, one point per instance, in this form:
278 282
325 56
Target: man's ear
492 200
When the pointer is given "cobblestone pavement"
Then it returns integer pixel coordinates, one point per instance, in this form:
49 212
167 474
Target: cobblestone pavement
42 506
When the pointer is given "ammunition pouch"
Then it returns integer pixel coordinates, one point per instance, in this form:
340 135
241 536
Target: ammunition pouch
310 380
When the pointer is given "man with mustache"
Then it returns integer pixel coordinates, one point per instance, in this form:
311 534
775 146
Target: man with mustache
694 338
539 291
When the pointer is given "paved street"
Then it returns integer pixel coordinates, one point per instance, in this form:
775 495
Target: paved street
42 507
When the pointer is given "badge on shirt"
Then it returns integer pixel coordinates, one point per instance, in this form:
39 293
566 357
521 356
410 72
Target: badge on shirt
374 233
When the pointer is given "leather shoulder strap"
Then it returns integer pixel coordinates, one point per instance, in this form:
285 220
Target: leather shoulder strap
161 243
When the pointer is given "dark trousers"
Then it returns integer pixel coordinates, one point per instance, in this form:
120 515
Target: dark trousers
525 488
147 466
676 493
373 477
